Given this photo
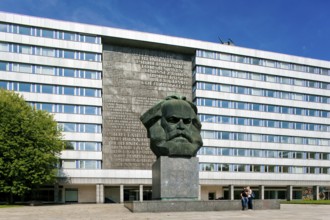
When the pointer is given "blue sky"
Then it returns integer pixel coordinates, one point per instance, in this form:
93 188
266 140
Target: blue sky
297 27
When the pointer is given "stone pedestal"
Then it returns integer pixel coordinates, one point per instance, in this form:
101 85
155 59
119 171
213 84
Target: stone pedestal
175 179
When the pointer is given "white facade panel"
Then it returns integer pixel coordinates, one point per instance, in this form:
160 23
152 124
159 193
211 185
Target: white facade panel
264 130
261 85
264 146
62 99
262 115
93 137
52 80
93 119
81 155
260 69
51 43
260 100
263 161
50 61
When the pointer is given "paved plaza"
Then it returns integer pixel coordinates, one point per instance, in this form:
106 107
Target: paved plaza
118 211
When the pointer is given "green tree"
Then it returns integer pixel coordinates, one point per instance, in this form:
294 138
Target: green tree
30 144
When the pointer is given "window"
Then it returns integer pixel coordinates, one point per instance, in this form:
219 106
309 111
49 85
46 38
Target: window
90 92
226 73
226 152
91 75
242 90
69 127
68 72
3 27
48 33
47 89
255 76
270 63
256 122
90 57
256 107
271 79
24 30
47 107
68 36
90 39
242 75
69 109
4 47
256 92
226 57
3 66
25 49
68 90
24 87
90 110
3 84
225 88
68 54
48 52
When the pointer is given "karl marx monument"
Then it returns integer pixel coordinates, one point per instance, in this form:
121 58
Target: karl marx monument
174 132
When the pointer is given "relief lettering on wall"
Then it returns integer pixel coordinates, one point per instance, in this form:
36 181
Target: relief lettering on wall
134 80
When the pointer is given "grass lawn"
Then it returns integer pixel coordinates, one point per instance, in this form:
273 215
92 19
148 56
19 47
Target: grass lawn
316 202
9 206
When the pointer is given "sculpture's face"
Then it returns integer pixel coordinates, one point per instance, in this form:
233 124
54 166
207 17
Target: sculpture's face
177 133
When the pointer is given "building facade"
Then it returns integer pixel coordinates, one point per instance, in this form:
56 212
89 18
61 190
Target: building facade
265 115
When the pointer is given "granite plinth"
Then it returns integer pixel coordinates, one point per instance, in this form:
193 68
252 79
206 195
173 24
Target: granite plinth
175 179
197 206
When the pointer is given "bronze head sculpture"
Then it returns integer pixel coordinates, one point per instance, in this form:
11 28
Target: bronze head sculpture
173 128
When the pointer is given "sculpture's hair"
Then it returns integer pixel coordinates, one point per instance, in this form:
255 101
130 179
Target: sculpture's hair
155 113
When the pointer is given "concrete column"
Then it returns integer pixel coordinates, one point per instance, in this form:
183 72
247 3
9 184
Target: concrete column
141 193
199 192
261 192
121 193
63 195
316 191
289 190
231 192
99 193
56 193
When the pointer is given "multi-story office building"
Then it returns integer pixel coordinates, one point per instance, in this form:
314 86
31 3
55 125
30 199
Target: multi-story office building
265 115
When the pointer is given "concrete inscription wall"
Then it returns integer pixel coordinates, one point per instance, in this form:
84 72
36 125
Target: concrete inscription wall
134 80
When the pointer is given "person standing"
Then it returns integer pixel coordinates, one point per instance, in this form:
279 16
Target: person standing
244 198
250 196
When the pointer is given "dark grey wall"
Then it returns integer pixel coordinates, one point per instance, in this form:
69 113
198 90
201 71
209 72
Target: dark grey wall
134 80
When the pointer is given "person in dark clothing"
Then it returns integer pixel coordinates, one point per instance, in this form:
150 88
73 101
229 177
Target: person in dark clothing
250 197
244 198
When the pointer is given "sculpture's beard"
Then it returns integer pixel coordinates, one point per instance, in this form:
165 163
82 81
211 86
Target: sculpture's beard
180 136
176 143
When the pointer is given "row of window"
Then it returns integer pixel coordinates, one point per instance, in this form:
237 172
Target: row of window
217 167
49 52
237 136
67 109
261 92
48 33
263 123
80 164
80 128
86 146
50 89
261 107
49 70
262 62
261 77
241 152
